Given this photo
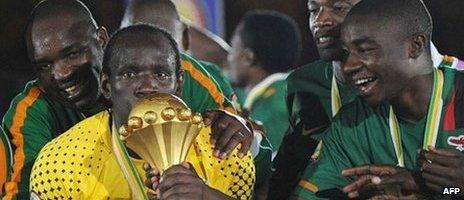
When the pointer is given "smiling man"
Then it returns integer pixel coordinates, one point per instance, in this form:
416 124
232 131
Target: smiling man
88 169
405 105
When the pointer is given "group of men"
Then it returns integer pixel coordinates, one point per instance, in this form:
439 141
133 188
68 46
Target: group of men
379 116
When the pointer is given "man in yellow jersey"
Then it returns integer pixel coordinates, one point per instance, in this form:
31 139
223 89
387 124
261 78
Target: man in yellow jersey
81 163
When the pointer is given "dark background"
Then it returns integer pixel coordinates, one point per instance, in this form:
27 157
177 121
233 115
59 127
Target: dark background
15 69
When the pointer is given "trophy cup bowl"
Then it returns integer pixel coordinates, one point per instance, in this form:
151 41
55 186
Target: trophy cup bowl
160 129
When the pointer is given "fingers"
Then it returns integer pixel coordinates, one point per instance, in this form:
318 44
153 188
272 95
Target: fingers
435 169
380 170
175 192
436 180
444 152
244 148
440 159
228 140
352 188
217 128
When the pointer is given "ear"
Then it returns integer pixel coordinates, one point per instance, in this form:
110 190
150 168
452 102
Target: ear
102 35
417 45
249 57
180 83
185 37
105 86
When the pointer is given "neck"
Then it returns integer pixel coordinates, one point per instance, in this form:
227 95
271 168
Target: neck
255 79
413 102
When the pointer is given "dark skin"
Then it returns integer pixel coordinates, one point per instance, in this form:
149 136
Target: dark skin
401 70
134 75
325 18
228 130
68 59
442 168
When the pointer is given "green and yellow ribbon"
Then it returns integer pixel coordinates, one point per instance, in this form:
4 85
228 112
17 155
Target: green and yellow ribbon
432 123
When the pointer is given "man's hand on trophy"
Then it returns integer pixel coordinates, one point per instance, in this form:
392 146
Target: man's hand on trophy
152 182
182 182
228 130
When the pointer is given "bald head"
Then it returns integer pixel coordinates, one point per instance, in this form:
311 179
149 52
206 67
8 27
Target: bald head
161 13
54 9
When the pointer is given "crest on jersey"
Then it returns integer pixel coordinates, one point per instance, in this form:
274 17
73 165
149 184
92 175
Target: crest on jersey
457 141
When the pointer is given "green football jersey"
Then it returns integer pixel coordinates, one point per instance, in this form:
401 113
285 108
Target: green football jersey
360 135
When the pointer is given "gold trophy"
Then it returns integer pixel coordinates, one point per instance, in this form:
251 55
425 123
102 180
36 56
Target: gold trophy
161 129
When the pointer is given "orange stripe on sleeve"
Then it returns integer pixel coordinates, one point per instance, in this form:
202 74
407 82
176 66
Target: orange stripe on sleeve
19 117
308 185
3 165
204 81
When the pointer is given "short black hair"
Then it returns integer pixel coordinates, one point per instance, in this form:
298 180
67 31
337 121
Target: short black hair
50 8
142 32
412 15
273 37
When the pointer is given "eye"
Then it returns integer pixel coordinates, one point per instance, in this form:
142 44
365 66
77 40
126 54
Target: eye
341 7
128 75
73 54
162 76
313 10
44 67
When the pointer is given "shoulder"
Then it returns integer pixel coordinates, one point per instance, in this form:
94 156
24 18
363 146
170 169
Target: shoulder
315 73
30 103
84 133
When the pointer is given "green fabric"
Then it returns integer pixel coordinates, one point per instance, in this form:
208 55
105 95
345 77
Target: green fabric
46 118
270 109
241 94
316 80
360 135
216 73
194 94
263 163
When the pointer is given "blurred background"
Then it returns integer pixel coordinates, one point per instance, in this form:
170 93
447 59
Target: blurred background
218 16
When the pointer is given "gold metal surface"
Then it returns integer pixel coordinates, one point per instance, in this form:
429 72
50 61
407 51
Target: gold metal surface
161 141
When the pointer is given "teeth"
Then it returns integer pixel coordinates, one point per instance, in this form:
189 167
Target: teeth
324 39
71 89
363 81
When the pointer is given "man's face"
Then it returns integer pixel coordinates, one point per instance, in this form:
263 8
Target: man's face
237 62
135 74
67 57
325 17
377 63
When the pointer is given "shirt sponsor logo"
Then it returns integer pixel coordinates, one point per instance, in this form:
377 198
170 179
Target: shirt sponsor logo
458 142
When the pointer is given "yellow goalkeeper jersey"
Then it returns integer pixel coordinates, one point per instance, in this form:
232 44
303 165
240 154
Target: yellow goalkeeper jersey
80 164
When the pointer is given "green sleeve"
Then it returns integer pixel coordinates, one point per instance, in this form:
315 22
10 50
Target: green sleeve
325 173
200 90
216 73
27 126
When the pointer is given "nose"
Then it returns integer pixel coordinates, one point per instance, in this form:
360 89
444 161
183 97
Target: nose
324 18
351 64
63 72
147 86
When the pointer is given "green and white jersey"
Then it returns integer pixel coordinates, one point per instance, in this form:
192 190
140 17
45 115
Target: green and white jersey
360 135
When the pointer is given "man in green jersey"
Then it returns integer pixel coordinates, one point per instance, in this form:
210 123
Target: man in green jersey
406 105
315 94
65 46
264 46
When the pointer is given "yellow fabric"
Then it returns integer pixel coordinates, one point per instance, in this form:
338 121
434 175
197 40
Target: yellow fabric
80 164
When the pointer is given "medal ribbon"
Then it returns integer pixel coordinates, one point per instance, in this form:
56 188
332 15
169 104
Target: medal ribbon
432 123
